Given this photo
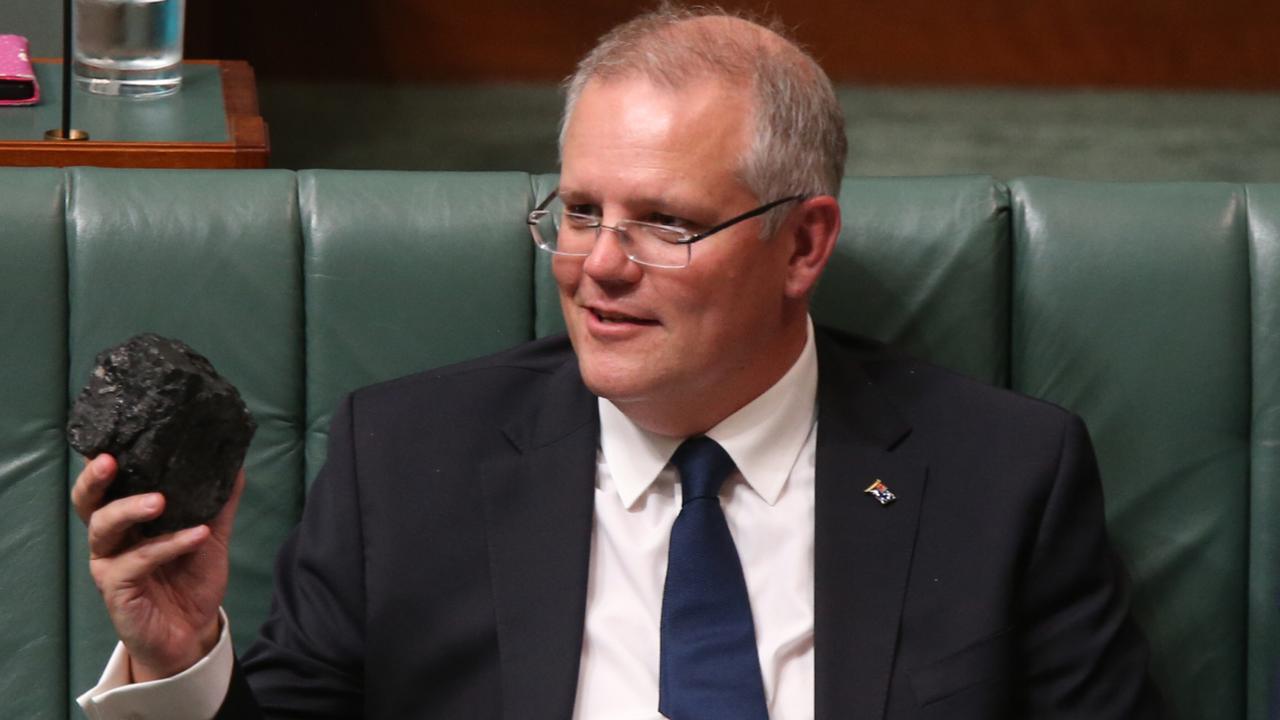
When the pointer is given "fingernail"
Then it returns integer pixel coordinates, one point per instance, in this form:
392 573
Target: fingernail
151 502
99 468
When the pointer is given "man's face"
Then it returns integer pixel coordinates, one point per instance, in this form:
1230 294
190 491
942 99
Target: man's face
671 337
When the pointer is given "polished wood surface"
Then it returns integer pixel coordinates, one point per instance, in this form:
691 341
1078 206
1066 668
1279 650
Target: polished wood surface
1225 44
247 146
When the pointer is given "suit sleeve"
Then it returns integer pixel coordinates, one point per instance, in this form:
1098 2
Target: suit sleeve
308 659
1084 656
239 703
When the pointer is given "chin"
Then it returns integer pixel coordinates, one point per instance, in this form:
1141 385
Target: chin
609 385
619 383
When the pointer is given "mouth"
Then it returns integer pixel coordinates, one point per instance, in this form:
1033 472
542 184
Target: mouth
612 317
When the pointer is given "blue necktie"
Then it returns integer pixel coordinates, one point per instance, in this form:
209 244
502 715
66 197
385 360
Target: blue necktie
709 667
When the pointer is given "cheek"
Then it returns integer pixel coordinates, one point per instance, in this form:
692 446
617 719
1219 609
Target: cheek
745 302
567 273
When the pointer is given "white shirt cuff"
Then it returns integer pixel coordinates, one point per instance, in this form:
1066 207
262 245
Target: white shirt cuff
193 694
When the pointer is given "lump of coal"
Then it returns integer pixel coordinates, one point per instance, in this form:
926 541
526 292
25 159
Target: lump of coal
171 422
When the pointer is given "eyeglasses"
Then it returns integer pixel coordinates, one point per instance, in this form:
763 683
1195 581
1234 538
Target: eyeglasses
561 232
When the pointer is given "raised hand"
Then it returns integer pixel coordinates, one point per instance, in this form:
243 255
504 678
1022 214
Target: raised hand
162 593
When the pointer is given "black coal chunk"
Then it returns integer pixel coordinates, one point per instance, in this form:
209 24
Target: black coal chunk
172 422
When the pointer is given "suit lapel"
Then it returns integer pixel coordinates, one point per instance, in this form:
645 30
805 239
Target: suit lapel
863 549
538 513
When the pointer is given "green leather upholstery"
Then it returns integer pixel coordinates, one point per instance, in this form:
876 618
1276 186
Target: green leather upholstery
33 455
1153 310
406 271
1264 518
212 258
548 320
924 263
1131 306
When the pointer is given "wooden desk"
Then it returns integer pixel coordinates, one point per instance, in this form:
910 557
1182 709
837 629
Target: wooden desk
212 122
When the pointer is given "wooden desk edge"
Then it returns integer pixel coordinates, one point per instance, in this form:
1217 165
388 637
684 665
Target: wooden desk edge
245 125
132 155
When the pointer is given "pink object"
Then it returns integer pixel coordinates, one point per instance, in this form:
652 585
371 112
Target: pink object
18 84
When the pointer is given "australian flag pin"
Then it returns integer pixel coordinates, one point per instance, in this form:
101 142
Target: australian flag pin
880 492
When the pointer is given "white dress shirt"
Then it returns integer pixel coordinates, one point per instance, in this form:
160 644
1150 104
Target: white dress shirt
768 504
193 694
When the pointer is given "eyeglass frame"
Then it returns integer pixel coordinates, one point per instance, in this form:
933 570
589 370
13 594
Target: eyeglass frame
540 212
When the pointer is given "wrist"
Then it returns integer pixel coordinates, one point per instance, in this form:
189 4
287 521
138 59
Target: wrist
143 669
212 633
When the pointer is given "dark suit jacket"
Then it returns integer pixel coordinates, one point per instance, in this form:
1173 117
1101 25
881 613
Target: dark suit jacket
440 568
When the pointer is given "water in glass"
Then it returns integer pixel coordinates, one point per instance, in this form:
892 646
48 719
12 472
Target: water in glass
129 47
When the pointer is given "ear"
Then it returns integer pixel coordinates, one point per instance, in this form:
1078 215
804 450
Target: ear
814 239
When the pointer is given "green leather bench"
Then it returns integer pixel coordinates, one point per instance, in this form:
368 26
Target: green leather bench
1151 309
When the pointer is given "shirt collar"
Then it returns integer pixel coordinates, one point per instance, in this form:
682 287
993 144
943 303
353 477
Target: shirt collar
764 437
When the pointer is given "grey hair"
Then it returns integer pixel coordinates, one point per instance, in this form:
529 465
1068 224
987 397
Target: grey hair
798 144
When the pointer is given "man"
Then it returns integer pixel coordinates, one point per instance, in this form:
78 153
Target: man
520 536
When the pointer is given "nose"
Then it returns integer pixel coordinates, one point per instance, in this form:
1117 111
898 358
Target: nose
608 261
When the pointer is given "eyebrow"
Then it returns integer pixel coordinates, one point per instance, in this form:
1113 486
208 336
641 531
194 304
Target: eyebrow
570 196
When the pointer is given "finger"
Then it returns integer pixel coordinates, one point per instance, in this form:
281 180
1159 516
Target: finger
91 485
146 557
109 527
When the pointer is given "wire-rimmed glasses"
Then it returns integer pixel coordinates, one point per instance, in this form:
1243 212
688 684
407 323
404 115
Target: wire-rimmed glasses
561 232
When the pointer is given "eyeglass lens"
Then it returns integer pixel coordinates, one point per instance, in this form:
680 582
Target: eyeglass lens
575 234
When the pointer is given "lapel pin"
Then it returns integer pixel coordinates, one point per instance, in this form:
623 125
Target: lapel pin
880 492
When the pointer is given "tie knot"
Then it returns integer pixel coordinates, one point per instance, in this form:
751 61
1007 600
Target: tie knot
703 466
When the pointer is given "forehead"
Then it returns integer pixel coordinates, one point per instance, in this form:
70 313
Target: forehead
631 136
